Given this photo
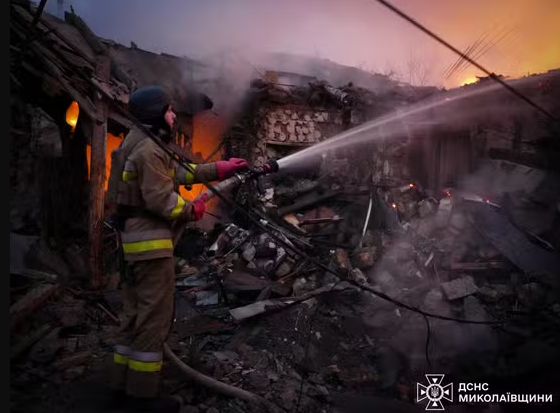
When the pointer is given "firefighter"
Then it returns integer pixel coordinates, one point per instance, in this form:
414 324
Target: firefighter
150 211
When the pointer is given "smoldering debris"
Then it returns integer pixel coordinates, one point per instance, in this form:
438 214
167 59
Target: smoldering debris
253 312
433 258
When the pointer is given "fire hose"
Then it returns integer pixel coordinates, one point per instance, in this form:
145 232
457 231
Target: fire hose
232 182
271 166
218 386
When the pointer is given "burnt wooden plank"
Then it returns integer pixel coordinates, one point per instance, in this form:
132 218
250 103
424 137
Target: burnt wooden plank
97 177
30 302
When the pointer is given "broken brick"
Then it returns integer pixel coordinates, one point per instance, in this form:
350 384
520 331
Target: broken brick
342 260
459 287
365 258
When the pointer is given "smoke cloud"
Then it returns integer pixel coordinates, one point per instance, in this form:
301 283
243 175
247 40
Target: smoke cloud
358 33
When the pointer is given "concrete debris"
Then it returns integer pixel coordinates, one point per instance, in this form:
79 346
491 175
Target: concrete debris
365 258
459 287
358 276
427 207
443 213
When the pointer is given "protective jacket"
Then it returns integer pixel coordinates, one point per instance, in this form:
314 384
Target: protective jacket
148 197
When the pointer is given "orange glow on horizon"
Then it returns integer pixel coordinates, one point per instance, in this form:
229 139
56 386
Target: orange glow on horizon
469 80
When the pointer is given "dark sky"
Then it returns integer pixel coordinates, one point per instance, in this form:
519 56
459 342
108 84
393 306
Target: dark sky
352 32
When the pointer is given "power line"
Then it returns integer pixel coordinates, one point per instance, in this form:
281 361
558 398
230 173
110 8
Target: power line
467 58
475 55
490 46
468 51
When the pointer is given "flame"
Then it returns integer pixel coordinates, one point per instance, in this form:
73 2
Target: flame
394 206
208 131
112 143
72 114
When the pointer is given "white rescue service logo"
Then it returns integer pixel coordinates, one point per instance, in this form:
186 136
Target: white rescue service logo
434 392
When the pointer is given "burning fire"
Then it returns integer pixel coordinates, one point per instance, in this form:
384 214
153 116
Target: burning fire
112 143
72 114
208 130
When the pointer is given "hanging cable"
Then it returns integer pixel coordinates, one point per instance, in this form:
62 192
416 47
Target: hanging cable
467 58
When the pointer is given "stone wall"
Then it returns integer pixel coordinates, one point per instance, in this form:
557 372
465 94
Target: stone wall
287 128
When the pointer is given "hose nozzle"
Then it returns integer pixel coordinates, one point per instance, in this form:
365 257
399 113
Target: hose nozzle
271 166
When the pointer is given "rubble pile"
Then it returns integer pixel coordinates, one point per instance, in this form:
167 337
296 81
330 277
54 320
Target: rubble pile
256 307
298 323
253 312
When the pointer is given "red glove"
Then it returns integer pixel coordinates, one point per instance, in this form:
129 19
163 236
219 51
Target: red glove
199 206
226 169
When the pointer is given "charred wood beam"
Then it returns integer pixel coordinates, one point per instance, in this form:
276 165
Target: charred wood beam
313 221
88 35
97 178
64 55
266 306
478 266
97 46
55 72
30 302
39 12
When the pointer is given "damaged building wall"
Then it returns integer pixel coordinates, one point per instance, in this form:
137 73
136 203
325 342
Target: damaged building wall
492 124
48 191
284 119
522 134
496 147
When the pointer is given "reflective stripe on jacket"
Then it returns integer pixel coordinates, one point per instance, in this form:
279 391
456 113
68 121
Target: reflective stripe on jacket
150 182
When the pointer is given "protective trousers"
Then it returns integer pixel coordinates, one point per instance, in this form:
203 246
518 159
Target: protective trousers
148 289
